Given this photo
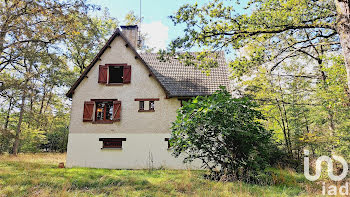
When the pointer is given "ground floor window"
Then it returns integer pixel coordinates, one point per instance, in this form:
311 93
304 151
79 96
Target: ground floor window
112 142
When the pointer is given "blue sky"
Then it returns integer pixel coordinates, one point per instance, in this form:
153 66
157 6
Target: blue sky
155 13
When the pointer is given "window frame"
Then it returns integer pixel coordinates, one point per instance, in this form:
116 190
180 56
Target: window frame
108 73
149 105
142 107
95 121
167 140
105 140
115 65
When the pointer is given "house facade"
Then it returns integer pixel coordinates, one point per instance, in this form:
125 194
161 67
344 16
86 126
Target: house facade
123 105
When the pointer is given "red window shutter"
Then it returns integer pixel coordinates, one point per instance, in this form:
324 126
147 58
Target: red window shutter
102 74
117 106
127 74
88 111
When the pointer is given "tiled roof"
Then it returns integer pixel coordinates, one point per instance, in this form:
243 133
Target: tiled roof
186 81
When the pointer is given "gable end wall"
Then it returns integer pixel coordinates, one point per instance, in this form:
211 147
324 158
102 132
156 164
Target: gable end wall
141 86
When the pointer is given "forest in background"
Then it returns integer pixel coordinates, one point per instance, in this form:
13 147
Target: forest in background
44 45
290 63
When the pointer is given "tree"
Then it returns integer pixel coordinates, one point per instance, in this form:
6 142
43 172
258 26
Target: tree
273 32
343 29
224 133
132 19
40 40
31 84
93 34
40 22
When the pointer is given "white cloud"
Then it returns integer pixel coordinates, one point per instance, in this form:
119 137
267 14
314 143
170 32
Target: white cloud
157 34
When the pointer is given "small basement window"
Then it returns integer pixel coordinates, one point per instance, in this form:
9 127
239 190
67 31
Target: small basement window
112 142
116 74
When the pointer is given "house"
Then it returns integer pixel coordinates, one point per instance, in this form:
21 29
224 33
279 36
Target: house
124 102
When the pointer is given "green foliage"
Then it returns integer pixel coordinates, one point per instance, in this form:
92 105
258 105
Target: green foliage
92 35
132 19
31 139
266 31
224 133
48 44
286 55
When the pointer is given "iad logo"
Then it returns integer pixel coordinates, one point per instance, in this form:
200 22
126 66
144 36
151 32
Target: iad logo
329 161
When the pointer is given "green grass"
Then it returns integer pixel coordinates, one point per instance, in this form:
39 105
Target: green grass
39 175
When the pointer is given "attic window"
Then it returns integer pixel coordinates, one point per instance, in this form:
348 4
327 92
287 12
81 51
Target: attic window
116 74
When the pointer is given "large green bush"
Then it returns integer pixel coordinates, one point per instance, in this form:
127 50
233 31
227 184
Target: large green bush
225 133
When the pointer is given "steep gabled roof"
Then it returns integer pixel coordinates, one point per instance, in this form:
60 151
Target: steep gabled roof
176 79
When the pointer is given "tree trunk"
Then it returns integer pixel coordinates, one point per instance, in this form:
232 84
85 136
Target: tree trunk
8 115
343 29
287 141
18 130
21 112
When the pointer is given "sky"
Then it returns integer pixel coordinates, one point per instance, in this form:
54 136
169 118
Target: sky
156 23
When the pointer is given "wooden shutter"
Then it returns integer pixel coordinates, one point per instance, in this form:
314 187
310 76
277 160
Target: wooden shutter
127 74
102 74
88 111
117 106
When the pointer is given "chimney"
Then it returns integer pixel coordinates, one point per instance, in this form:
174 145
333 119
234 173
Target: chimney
131 33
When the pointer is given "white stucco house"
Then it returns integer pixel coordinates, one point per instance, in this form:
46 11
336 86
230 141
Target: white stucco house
124 102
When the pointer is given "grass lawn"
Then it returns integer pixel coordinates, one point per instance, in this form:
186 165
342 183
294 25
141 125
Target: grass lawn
39 175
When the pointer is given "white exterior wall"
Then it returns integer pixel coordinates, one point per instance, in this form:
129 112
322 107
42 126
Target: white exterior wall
140 151
144 131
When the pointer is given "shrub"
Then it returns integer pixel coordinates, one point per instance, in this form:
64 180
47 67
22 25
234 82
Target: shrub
225 133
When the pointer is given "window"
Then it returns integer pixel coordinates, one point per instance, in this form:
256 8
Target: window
151 104
142 105
114 74
102 111
167 140
112 142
